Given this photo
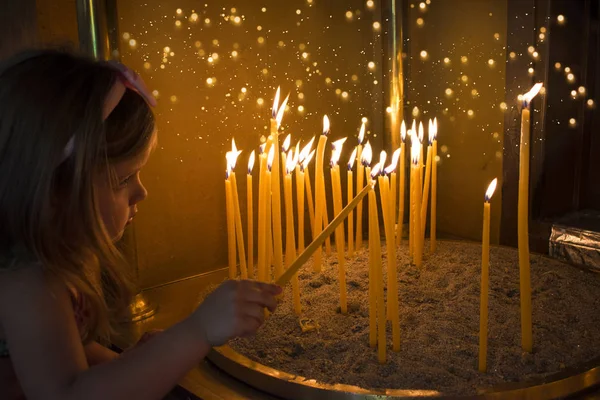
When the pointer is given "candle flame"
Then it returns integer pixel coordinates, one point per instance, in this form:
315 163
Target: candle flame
421 132
361 134
291 161
491 189
325 125
286 143
297 153
375 170
527 97
276 103
307 160
435 128
228 167
403 131
261 148
306 150
337 151
382 158
392 167
270 157
367 155
352 158
413 128
415 152
281 111
251 163
232 155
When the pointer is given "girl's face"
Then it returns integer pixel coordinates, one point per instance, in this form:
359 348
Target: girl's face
118 204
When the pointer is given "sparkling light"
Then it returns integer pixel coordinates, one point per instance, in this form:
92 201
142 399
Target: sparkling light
420 21
561 19
424 54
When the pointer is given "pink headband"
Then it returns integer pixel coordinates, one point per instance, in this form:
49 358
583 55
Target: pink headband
127 79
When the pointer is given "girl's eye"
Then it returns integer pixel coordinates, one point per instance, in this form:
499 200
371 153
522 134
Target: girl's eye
125 181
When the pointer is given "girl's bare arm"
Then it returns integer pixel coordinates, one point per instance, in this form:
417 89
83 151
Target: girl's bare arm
50 361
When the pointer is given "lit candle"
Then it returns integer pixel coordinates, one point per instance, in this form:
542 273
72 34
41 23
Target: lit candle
277 116
523 222
300 195
411 197
425 199
401 199
393 190
262 212
372 283
230 224
433 228
416 201
249 206
377 272
284 149
319 240
421 158
350 195
265 273
485 263
236 211
360 170
320 202
339 232
393 307
290 240
309 193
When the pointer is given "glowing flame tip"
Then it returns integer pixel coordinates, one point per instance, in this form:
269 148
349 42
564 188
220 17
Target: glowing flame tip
491 189
527 97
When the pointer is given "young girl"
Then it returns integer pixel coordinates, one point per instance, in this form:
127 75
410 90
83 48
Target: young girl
74 135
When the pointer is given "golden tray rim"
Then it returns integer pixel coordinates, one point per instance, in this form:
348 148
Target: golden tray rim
571 381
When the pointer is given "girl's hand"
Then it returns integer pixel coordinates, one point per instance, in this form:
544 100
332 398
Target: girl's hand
236 308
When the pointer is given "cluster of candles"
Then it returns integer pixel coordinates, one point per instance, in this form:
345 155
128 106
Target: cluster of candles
276 168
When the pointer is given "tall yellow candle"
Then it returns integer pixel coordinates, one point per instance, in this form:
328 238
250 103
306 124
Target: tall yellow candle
303 186
360 170
262 212
378 273
230 227
421 158
523 222
485 264
411 213
326 220
290 240
393 191
236 211
339 232
350 195
425 200
300 199
250 208
320 203
393 312
417 239
309 194
433 228
372 274
401 198
268 219
284 149
276 188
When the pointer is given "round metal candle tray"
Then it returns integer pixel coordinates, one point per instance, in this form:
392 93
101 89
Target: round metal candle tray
294 387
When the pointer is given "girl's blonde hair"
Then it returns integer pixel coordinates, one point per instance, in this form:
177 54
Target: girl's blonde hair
48 209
